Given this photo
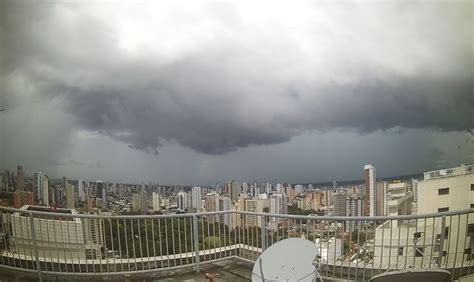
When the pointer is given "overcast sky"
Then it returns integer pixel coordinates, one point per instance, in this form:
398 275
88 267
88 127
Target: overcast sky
191 92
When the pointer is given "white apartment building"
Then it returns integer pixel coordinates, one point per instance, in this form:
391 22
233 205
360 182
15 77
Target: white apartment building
440 191
58 238
399 199
370 191
156 201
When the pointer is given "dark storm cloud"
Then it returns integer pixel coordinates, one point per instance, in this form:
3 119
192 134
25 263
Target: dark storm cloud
228 84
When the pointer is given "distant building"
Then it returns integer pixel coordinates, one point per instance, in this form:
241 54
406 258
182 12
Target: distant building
370 191
196 199
20 179
139 201
234 190
399 199
182 201
380 197
278 188
339 199
211 204
21 198
41 189
245 187
328 201
354 207
99 189
225 204
156 201
70 197
80 190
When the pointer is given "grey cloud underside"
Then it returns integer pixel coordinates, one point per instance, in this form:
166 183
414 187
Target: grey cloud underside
225 96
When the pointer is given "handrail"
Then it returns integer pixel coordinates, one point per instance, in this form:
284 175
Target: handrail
244 241
291 216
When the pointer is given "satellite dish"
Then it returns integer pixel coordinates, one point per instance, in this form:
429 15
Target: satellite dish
288 260
414 275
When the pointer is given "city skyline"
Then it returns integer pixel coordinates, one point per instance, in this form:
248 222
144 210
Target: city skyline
201 93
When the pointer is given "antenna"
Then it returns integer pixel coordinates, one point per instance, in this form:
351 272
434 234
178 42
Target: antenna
293 259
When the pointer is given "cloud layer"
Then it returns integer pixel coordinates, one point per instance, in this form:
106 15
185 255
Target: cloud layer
218 77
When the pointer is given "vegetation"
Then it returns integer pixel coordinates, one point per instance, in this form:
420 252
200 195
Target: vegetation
171 235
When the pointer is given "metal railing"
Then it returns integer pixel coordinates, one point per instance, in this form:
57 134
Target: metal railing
357 248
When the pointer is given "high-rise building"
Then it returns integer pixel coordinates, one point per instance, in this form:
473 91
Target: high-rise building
64 183
370 207
211 201
225 204
381 188
250 206
182 201
196 199
278 188
20 179
399 199
139 202
156 201
211 204
327 197
99 187
268 188
80 190
234 190
41 189
70 197
245 187
58 195
339 199
104 193
354 207
299 189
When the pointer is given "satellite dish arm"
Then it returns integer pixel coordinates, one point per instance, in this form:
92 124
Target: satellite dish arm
261 269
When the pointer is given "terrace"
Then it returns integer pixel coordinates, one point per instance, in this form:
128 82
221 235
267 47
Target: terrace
47 245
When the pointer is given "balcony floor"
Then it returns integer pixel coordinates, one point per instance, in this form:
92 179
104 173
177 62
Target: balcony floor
226 270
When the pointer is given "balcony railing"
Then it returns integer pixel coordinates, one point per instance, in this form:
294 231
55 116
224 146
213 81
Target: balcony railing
46 244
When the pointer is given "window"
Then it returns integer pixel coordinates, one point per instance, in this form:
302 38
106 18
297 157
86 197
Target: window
472 187
443 209
419 252
446 232
467 251
443 191
472 206
400 251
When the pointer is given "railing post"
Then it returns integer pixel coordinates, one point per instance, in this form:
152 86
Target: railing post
196 241
33 237
441 243
262 233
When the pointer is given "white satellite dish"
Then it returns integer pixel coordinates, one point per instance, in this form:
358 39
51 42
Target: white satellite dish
288 260
414 275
